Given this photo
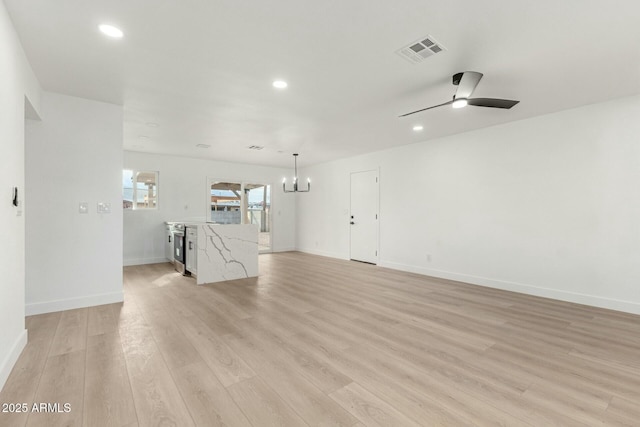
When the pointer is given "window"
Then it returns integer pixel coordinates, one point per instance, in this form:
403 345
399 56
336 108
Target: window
139 189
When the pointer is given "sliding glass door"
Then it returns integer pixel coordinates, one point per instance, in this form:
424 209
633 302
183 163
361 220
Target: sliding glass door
226 202
241 203
258 211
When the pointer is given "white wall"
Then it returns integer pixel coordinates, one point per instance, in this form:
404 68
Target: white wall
73 155
17 81
548 206
182 196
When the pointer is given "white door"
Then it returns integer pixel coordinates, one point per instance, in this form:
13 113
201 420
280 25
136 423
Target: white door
364 216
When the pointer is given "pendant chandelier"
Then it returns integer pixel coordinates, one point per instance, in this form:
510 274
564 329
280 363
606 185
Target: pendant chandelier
295 179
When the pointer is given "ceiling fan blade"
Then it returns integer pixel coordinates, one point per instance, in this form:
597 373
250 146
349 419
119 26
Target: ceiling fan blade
468 83
425 109
492 102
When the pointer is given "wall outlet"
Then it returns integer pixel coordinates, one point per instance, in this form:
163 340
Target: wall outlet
83 207
104 208
428 257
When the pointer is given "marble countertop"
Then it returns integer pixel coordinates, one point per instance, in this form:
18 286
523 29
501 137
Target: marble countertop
187 222
226 252
195 223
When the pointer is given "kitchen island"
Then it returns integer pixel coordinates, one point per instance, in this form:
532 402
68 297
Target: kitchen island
226 252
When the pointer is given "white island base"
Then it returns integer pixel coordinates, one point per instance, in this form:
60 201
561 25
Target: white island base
226 252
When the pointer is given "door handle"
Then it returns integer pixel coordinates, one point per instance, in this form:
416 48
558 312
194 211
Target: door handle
169 239
190 245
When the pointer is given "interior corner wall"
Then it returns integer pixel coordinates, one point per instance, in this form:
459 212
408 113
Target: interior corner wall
182 196
73 155
548 206
17 83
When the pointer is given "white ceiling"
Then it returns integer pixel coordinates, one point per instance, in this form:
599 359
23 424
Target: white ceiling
202 69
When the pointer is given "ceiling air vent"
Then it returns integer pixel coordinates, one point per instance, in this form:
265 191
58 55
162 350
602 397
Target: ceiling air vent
421 49
203 145
255 147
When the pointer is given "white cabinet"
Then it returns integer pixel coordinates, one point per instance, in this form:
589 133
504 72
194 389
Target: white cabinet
168 242
191 240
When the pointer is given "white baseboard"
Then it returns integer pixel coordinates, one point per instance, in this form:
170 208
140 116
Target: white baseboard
143 261
71 303
12 357
323 253
578 298
284 250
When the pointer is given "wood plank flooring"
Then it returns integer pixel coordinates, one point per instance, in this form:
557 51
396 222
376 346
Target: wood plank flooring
316 341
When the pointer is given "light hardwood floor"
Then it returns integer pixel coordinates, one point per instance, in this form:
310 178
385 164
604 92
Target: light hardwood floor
318 341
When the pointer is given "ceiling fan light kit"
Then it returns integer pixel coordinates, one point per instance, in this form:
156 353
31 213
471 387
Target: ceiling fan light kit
295 179
467 83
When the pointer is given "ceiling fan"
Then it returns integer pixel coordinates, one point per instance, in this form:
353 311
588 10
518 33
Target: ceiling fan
467 82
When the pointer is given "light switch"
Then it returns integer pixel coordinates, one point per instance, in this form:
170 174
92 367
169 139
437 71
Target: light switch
83 208
104 208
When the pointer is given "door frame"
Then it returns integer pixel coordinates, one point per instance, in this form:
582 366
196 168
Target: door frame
377 171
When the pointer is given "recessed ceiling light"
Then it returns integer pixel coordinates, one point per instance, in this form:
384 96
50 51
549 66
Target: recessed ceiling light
459 103
111 31
418 128
280 84
152 124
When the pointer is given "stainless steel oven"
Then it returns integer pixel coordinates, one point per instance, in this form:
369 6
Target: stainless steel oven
178 248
